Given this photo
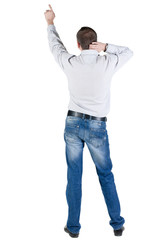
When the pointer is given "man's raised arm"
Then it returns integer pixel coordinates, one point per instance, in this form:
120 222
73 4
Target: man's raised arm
56 46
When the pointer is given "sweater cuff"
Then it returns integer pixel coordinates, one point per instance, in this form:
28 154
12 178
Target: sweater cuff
106 47
51 27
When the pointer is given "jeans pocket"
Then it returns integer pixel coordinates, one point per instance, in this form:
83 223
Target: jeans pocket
71 128
72 125
71 133
97 136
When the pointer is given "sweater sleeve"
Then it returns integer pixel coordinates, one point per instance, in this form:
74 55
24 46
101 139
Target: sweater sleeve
56 46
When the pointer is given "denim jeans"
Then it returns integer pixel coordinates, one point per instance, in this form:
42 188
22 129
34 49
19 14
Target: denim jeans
77 132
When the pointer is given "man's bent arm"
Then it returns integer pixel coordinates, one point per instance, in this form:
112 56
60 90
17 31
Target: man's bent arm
56 46
121 54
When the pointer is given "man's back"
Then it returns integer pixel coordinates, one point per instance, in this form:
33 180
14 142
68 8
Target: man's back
89 77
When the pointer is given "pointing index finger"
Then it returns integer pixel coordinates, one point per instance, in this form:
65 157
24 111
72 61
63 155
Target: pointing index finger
50 7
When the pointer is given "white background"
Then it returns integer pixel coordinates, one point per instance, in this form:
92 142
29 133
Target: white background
33 107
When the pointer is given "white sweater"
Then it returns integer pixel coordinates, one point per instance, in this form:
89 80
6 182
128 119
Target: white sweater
89 74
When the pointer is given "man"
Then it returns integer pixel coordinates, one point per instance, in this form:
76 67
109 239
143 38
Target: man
89 78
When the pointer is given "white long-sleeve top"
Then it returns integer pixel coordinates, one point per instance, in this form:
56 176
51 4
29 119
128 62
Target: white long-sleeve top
89 74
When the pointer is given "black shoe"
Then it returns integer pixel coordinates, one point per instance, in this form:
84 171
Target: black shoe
119 231
73 235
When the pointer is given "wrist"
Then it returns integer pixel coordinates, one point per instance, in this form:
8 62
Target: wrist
105 47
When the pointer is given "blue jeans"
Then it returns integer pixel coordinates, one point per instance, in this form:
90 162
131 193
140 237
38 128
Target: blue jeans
77 132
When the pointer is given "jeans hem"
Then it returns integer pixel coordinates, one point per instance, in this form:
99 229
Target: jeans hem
119 227
72 232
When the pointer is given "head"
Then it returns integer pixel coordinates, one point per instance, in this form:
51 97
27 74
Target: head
85 36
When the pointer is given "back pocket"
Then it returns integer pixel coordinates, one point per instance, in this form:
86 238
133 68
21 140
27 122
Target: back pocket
97 136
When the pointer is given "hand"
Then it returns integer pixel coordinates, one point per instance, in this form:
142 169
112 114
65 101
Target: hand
49 15
98 46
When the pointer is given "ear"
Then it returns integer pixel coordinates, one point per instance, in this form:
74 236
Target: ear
78 44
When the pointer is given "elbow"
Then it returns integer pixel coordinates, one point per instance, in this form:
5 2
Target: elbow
130 52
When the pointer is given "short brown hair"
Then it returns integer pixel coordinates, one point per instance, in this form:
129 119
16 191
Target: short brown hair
86 36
